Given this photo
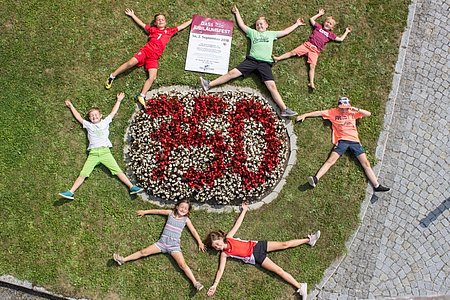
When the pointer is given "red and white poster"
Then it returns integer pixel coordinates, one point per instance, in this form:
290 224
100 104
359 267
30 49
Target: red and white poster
209 45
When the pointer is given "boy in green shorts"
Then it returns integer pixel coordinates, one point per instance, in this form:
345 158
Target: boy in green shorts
99 144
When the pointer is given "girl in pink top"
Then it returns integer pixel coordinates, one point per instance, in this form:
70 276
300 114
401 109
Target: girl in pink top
320 36
254 252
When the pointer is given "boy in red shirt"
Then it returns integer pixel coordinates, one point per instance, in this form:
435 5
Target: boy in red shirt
345 136
148 55
316 42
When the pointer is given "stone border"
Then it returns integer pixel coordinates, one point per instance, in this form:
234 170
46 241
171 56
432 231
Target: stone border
32 289
227 208
381 146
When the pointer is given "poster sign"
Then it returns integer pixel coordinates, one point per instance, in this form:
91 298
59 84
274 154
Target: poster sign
209 45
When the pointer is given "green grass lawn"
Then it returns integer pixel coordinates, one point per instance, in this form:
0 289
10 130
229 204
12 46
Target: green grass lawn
56 50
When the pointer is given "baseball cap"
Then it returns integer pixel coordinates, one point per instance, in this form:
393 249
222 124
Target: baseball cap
344 102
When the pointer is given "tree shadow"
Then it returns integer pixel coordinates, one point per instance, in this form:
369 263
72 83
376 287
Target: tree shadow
433 215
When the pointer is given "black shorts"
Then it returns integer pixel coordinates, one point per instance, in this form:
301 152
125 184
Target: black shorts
250 65
260 252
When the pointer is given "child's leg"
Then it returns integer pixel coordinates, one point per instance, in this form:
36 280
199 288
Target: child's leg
152 249
268 264
79 181
125 66
275 246
368 169
284 56
178 256
225 78
124 179
328 164
148 83
272 87
312 70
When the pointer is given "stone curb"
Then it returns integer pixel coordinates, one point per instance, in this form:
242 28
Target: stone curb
30 288
228 208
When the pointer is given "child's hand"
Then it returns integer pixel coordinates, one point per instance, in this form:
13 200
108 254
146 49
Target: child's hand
348 29
120 96
300 22
201 247
300 118
211 290
129 12
140 213
244 206
235 10
321 11
68 103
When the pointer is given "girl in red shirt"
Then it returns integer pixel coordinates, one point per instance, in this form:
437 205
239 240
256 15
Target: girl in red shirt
254 252
148 56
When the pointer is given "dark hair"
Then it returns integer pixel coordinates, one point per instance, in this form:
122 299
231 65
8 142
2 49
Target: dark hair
175 209
154 18
214 236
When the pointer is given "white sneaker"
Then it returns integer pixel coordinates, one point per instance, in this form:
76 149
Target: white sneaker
313 238
303 290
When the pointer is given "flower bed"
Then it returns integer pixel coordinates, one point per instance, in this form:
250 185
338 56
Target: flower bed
217 148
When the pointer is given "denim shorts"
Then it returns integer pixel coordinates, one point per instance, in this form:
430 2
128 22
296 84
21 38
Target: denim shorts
343 145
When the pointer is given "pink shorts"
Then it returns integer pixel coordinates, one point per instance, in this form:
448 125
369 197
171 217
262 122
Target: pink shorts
147 58
309 49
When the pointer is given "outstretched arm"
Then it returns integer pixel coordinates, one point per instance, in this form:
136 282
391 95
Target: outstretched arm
165 212
317 113
194 232
130 13
116 106
344 35
239 220
288 30
365 113
239 20
184 25
313 19
222 262
74 111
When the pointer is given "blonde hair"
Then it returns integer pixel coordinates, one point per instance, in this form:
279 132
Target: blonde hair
331 19
262 18
93 109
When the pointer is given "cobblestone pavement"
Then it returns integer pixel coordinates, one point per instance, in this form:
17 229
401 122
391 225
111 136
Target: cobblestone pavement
402 247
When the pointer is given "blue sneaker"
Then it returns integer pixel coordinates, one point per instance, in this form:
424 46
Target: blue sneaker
135 189
67 195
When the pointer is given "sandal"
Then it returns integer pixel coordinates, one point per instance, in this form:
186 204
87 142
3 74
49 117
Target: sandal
198 286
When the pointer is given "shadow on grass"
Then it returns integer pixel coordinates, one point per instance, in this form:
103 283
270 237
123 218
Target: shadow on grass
61 202
305 187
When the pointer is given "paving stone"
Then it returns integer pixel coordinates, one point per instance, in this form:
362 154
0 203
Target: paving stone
411 256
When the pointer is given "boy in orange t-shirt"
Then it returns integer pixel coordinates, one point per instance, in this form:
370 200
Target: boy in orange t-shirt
345 137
